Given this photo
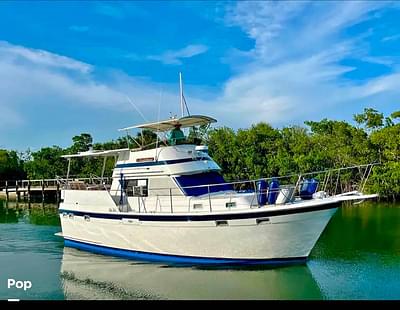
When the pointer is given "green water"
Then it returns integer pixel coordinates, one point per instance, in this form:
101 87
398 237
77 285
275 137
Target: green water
357 257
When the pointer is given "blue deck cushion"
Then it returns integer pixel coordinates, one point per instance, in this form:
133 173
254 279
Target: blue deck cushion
206 178
273 191
308 188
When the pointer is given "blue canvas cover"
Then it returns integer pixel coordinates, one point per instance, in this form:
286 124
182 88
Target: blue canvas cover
206 178
273 191
262 187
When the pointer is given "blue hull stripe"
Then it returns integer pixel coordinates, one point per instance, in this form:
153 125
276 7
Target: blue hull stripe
155 163
208 217
177 259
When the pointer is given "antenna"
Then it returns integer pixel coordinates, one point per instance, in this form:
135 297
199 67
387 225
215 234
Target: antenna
182 97
184 101
136 108
181 93
158 120
141 114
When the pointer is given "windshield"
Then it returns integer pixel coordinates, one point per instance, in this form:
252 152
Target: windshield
199 179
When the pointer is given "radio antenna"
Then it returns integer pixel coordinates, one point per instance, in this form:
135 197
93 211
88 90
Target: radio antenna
181 93
182 97
136 108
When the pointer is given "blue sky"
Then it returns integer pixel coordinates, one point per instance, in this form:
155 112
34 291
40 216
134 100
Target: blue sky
72 67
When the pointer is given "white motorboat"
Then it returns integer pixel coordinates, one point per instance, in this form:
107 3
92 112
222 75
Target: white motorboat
170 203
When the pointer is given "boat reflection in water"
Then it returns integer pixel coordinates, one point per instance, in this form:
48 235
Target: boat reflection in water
90 276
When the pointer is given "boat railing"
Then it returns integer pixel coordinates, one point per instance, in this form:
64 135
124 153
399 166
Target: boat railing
93 182
329 182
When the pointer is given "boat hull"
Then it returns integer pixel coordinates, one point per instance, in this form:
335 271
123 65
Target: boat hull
265 238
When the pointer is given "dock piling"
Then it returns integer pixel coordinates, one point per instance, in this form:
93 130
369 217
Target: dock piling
58 192
43 190
16 191
7 197
29 190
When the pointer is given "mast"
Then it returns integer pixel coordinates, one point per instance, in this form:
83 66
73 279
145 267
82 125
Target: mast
181 93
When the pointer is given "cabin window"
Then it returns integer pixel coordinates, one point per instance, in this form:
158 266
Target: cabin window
196 184
137 188
230 204
198 206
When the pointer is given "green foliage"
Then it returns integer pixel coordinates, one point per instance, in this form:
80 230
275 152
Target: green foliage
395 114
222 147
339 143
81 143
11 166
386 180
146 138
371 119
120 143
387 141
46 163
258 150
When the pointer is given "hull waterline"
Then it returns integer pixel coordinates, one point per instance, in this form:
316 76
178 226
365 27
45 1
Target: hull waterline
181 260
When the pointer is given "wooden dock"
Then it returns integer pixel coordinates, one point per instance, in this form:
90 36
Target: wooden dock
26 189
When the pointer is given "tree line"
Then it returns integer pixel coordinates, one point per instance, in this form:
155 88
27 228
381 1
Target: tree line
255 152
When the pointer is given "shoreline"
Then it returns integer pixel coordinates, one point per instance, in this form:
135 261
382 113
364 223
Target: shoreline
11 195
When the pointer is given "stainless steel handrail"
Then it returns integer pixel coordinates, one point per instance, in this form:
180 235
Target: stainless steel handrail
326 176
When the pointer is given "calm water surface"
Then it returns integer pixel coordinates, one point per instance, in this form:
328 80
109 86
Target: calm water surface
357 257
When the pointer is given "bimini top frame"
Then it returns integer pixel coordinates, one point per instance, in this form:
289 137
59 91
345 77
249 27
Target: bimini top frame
93 154
96 153
169 124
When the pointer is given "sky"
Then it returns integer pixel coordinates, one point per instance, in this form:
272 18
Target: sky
72 67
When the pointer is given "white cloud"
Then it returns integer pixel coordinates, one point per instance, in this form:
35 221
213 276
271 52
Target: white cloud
295 92
384 60
36 78
285 29
14 53
109 10
385 84
174 57
391 38
294 71
264 21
